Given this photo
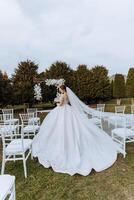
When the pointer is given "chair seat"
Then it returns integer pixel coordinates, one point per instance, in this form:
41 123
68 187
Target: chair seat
6 183
34 119
95 120
30 128
11 121
7 129
115 119
123 131
15 146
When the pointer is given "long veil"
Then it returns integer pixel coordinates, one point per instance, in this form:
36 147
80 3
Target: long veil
82 108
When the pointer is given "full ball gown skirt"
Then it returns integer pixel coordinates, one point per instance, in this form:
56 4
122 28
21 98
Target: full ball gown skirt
69 143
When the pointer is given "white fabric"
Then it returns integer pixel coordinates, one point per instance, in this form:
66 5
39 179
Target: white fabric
15 146
30 128
6 183
70 143
34 119
95 120
78 105
7 129
123 132
12 120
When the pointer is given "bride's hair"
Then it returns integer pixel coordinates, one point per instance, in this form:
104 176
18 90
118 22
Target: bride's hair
63 87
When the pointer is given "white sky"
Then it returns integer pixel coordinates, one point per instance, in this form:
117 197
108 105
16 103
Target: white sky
78 32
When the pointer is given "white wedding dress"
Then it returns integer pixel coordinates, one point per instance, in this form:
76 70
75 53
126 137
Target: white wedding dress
69 143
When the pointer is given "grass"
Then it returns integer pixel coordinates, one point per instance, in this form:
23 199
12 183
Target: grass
115 183
110 105
23 107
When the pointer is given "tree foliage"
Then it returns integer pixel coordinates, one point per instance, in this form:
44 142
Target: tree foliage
100 84
90 84
130 83
23 82
119 86
6 89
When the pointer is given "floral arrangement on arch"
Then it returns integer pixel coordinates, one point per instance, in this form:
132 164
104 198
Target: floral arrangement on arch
37 92
54 82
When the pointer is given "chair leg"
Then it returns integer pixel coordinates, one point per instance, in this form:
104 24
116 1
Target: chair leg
14 193
14 158
124 148
3 166
24 165
31 153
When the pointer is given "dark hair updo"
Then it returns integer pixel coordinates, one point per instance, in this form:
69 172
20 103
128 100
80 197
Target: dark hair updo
63 87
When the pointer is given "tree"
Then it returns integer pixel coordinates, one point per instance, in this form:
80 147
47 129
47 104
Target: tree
60 70
5 76
130 83
111 85
119 87
5 89
99 84
81 82
23 81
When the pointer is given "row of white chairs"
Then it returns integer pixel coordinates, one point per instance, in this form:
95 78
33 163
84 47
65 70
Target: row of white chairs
123 133
113 119
123 125
16 147
17 139
118 109
8 115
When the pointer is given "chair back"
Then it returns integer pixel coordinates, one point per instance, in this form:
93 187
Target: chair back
102 106
120 109
7 138
32 110
26 119
1 119
100 109
8 111
97 114
132 109
7 118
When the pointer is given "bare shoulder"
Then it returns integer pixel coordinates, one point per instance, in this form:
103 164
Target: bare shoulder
65 95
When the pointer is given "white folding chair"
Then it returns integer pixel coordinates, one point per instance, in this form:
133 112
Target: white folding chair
8 111
16 148
7 187
8 116
97 119
132 109
1 119
101 106
31 112
7 128
123 135
29 127
120 109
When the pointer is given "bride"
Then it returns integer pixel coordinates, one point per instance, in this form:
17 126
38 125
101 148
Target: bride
69 143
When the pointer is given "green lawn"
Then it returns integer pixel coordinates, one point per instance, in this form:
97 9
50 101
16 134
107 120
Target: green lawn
110 105
115 183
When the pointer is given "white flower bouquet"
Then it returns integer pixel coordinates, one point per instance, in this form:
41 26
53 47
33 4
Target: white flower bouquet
37 92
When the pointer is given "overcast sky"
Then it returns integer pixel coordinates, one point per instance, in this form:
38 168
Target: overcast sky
75 31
